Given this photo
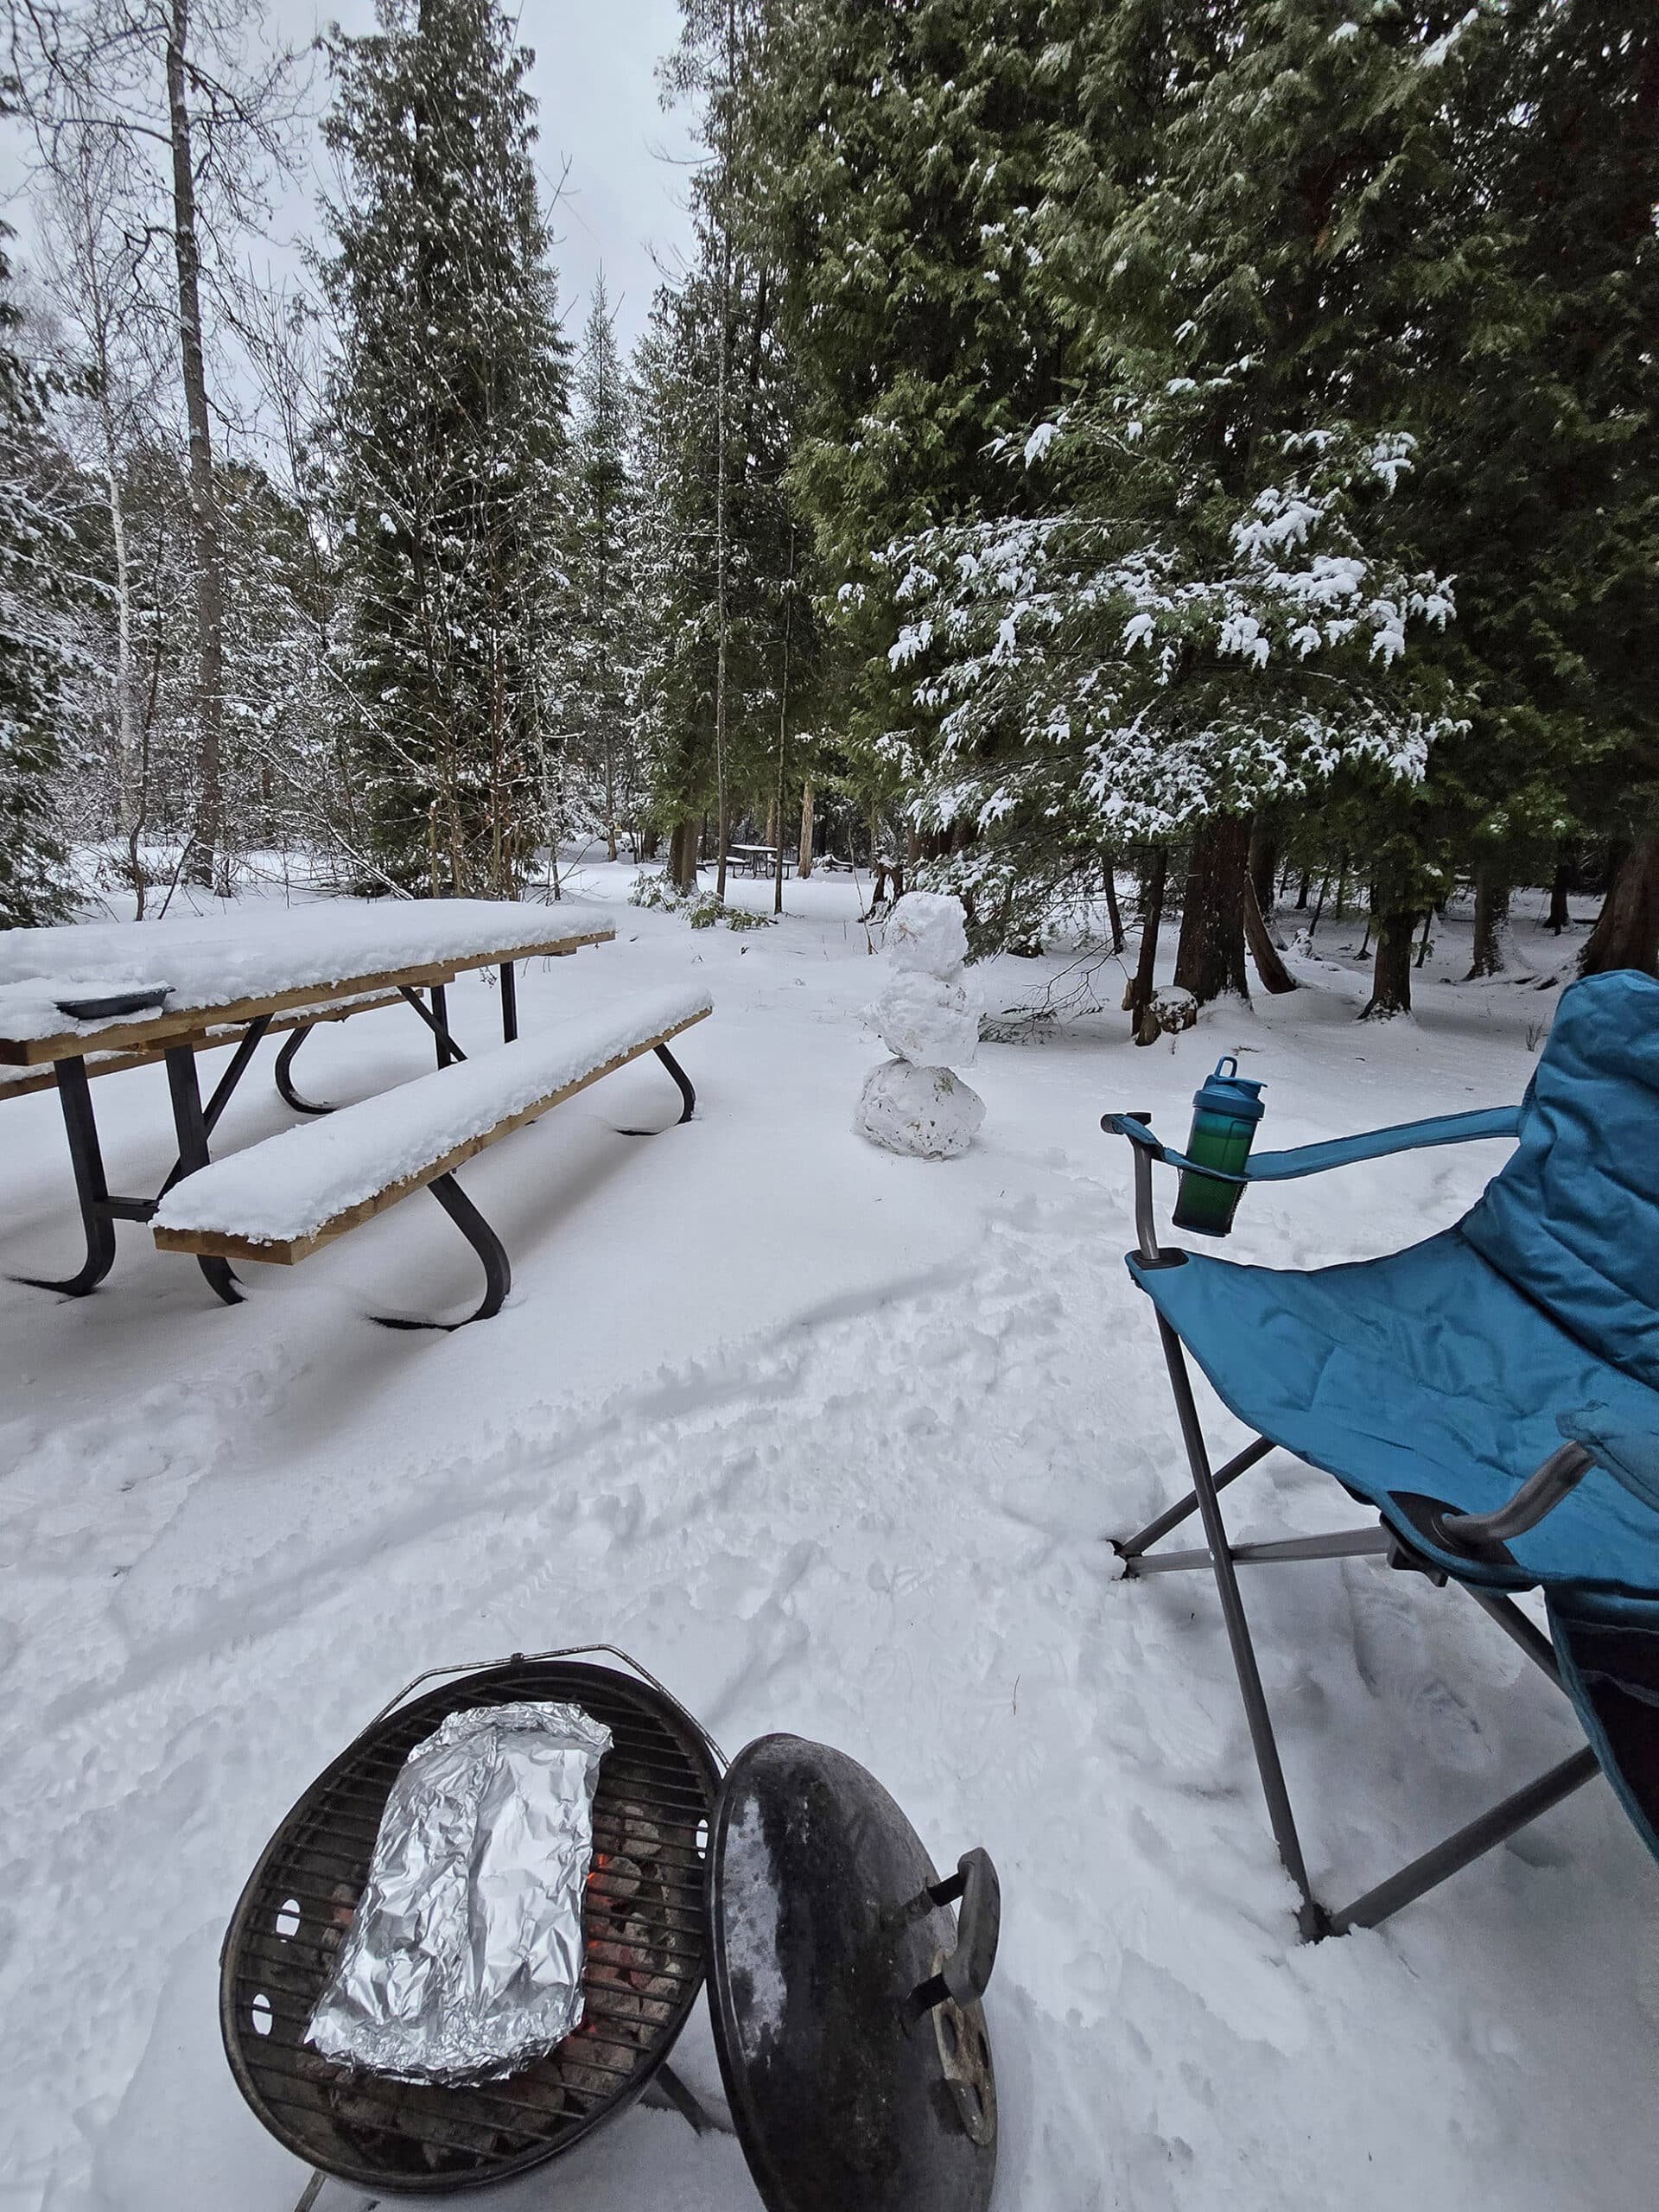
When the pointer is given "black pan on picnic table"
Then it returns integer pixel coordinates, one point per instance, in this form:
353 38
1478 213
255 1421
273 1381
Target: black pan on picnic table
150 999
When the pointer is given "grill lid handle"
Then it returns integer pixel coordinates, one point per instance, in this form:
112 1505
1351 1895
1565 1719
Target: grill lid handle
964 1975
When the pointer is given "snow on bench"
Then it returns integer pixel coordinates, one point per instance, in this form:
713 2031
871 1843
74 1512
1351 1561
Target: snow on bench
280 1200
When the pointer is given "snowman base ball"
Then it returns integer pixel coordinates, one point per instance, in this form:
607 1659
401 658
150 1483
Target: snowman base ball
927 1113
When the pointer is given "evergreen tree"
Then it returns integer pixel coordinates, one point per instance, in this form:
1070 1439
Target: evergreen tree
1150 657
602 662
1542 444
733 651
449 400
42 581
898 153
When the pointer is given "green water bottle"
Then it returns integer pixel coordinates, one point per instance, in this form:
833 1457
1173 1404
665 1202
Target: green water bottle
1226 1110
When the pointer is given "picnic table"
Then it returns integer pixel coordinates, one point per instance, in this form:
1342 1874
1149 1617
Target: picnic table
752 860
90 999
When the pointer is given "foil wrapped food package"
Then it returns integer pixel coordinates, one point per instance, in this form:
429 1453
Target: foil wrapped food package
463 1961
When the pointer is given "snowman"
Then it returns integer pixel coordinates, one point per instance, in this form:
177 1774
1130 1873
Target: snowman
928 1017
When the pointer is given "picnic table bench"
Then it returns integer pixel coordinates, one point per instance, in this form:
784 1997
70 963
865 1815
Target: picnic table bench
144 995
282 1200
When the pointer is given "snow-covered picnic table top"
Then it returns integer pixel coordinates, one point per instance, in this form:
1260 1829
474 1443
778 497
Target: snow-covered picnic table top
243 959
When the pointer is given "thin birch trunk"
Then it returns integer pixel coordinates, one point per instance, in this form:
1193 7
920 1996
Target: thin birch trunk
211 861
722 405
775 836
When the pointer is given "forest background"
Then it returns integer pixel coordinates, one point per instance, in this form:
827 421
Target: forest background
1197 453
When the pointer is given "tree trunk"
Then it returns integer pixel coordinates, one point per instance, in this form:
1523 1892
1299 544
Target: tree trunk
1391 972
1302 890
1627 934
803 857
1210 958
1152 916
775 835
1113 916
683 854
1559 915
1491 914
723 412
650 840
1276 978
1264 868
209 862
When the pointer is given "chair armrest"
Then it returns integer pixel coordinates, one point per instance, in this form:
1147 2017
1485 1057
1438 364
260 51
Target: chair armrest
1629 1455
1596 1437
1376 1144
1334 1152
1138 1130
1305 1160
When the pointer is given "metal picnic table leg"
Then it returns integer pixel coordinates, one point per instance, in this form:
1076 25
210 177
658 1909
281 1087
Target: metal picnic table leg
436 1018
285 1089
191 1126
448 1048
93 1190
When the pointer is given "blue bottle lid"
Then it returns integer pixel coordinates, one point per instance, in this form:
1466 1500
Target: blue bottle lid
1226 1092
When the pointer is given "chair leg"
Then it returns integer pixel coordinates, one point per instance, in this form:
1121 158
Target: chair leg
1345 1543
1240 1463
1469 1844
1310 1917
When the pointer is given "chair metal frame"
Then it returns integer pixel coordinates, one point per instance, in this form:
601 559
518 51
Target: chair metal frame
1544 1490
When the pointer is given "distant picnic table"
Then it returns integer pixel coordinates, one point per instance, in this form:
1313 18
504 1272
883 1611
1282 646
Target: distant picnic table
752 860
94 999
762 860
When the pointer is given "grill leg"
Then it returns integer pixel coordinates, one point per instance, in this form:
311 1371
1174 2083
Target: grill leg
666 2089
92 1188
1310 1917
191 1125
285 1089
497 1269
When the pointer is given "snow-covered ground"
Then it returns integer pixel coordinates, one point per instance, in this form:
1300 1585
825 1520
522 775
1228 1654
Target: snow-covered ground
832 1440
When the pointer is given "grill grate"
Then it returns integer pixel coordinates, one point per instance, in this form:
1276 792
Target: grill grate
646 1950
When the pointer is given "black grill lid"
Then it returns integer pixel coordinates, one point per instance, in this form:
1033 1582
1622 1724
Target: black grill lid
845 2002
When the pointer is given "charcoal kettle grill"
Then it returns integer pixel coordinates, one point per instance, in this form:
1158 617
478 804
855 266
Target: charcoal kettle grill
843 1993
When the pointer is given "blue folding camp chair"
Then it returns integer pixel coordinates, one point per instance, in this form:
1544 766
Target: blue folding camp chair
1437 1384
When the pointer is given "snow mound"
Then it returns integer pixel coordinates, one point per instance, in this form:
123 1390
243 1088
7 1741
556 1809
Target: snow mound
930 1023
927 935
927 1113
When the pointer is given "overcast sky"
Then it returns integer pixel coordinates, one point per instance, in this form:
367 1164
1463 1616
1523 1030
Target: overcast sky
622 203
